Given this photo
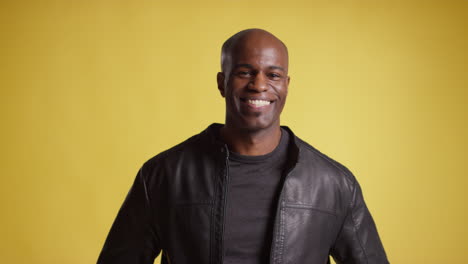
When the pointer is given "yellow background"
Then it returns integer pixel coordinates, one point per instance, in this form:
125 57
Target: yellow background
92 89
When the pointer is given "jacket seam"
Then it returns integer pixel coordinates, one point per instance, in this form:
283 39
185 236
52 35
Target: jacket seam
355 227
143 179
200 203
309 207
152 218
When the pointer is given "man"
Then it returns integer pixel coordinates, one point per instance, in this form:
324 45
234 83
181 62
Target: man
249 191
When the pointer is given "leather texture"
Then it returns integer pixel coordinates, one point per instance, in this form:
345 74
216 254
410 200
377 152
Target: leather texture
177 204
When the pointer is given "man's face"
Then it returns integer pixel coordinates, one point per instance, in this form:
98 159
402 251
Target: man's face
255 84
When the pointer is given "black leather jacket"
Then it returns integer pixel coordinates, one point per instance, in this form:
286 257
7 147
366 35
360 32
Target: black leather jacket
177 205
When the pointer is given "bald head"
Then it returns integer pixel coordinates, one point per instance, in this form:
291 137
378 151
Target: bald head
254 81
249 38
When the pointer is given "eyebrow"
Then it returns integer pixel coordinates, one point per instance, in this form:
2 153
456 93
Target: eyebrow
246 65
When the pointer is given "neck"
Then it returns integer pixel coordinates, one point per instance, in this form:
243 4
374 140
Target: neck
251 143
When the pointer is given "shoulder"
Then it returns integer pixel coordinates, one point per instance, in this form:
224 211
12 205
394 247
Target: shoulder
328 169
189 145
155 169
311 152
193 148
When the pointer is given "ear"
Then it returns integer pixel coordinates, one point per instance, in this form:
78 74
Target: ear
220 79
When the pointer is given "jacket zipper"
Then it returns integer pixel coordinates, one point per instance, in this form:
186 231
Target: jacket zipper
225 193
277 223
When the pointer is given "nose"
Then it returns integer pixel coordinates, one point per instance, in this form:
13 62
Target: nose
258 83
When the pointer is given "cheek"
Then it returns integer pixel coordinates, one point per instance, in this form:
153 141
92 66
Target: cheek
235 88
238 85
232 101
281 91
284 90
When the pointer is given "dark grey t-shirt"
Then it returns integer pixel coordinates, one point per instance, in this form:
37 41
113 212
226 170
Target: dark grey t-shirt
253 190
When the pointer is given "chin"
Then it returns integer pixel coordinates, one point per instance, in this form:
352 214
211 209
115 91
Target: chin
251 123
258 125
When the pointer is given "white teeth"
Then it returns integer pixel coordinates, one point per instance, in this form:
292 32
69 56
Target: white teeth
258 102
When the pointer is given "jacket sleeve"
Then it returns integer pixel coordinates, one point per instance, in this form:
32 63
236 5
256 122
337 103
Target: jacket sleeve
358 241
132 238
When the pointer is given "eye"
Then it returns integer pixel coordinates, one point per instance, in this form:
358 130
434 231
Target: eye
244 74
274 76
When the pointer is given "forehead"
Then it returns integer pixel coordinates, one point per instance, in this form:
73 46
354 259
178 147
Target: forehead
260 49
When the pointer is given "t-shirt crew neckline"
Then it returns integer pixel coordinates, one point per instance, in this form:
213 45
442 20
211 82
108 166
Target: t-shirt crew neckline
260 158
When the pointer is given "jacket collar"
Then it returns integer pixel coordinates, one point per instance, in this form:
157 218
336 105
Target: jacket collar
211 133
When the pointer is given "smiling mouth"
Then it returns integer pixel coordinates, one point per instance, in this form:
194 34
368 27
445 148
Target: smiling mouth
257 102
